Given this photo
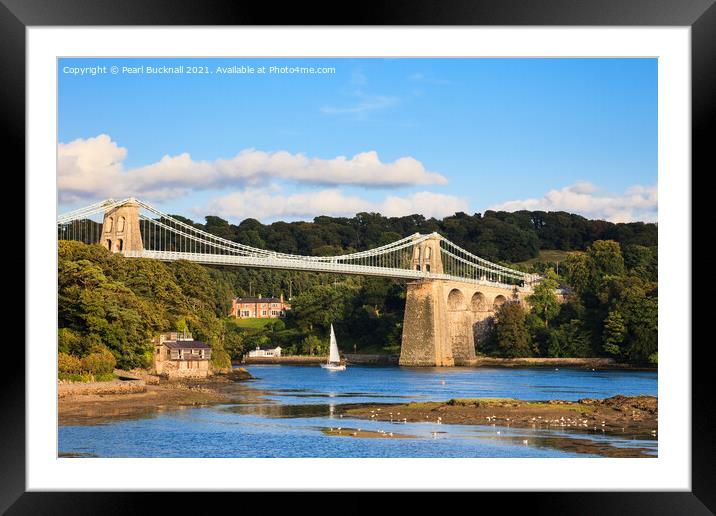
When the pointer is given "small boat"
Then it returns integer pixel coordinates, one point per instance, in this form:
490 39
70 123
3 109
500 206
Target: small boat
334 359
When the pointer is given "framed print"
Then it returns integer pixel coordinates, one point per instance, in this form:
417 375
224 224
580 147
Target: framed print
358 255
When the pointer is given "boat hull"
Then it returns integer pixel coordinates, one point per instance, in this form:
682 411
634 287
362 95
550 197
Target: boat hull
333 367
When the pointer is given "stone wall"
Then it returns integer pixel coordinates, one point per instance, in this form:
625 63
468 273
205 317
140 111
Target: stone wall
112 387
295 360
173 369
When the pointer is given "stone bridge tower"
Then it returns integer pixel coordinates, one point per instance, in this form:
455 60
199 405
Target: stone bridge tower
426 256
120 228
445 318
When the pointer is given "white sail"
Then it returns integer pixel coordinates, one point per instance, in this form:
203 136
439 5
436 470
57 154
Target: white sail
334 358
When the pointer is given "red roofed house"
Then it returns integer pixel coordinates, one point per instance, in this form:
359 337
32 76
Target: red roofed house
259 307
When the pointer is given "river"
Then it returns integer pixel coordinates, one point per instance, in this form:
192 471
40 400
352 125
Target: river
285 411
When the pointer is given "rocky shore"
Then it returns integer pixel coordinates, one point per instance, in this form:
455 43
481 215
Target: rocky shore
633 415
83 404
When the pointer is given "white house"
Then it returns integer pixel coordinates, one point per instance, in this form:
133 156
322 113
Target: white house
258 352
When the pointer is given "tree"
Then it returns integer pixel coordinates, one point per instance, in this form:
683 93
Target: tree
578 272
573 339
614 333
312 345
606 258
543 300
512 337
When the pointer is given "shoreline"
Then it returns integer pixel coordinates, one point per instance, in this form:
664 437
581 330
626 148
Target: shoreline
517 363
99 407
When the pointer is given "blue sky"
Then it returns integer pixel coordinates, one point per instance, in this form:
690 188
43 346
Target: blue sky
398 136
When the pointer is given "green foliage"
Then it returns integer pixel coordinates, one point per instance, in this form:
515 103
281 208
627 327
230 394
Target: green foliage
96 366
570 340
77 377
67 364
511 335
72 342
614 333
220 359
618 298
100 361
543 300
312 345
606 258
120 304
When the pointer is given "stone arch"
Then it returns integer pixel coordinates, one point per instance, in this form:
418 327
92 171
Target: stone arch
478 303
120 244
456 300
427 252
499 301
110 223
120 224
109 244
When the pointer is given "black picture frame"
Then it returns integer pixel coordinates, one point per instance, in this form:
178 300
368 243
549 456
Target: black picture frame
699 15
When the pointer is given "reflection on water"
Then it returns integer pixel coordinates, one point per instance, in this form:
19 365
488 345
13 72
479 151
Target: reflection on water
276 416
288 411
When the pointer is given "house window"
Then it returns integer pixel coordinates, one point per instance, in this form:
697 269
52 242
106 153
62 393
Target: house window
263 312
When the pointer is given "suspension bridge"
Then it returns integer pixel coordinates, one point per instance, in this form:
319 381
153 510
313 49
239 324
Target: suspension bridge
450 300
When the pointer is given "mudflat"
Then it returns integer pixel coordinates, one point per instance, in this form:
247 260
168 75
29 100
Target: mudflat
633 415
92 409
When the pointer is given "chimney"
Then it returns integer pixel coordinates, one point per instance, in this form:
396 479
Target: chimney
281 298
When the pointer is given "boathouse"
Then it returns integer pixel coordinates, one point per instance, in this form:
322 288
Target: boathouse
178 355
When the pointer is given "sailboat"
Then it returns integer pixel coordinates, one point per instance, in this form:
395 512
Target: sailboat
334 359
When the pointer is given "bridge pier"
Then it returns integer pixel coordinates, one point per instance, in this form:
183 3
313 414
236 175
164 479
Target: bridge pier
444 319
425 339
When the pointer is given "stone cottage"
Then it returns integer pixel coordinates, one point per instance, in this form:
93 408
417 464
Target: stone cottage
178 355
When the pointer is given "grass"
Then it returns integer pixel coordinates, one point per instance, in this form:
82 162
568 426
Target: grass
548 255
253 323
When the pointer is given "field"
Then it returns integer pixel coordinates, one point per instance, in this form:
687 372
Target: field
253 323
548 255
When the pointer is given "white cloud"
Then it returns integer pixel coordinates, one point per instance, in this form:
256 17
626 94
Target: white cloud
264 204
365 104
421 77
638 203
93 169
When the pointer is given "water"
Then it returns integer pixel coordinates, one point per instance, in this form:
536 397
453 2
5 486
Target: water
286 411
